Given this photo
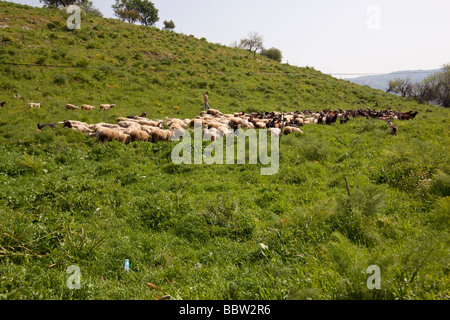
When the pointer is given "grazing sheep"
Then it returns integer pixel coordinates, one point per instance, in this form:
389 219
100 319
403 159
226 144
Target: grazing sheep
196 123
177 134
2 104
175 126
136 134
151 123
161 135
290 130
246 125
213 124
275 131
105 125
260 125
224 131
209 135
81 128
224 121
126 119
299 121
108 135
177 122
148 129
129 124
87 107
71 107
33 105
235 121
143 115
215 113
216 132
106 107
71 123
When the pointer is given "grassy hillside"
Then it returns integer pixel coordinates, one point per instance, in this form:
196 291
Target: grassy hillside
199 231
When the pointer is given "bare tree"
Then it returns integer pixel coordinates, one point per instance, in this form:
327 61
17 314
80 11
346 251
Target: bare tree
423 91
254 42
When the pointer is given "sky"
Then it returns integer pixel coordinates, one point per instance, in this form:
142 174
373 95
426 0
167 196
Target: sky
344 38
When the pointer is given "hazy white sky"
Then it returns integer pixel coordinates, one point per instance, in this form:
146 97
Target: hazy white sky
333 36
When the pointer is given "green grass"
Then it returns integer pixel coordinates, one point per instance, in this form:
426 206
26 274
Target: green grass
66 200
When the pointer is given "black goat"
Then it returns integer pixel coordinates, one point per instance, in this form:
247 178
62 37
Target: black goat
41 126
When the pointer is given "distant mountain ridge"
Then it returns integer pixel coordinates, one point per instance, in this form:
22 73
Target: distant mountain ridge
381 81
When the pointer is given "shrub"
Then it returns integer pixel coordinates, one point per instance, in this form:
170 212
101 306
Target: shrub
55 25
82 63
273 54
440 185
60 79
41 60
439 216
7 39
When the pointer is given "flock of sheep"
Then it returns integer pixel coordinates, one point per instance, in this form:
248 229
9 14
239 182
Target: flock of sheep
215 124
139 128
103 107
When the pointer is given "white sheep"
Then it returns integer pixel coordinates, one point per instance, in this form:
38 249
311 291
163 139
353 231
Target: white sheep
78 126
260 125
107 135
129 124
71 107
275 131
148 129
161 135
33 105
136 134
213 112
151 123
209 135
106 107
290 130
87 107
106 125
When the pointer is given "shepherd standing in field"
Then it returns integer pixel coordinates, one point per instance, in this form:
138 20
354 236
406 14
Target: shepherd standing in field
206 100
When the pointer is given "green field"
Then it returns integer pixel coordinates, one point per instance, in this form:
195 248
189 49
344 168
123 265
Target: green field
206 231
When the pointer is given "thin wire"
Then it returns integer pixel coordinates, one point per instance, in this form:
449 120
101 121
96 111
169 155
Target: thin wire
378 74
154 70
204 72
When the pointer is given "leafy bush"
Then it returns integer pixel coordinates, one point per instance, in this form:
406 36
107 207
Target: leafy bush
273 53
7 39
60 79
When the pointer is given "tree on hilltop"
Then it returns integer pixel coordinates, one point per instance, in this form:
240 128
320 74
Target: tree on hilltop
254 42
58 3
169 25
127 10
86 5
130 16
